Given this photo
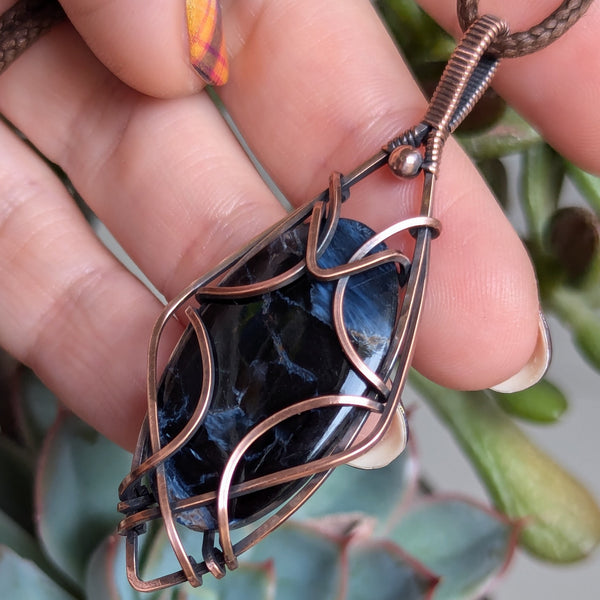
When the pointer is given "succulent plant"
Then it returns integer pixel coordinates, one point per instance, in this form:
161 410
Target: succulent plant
382 533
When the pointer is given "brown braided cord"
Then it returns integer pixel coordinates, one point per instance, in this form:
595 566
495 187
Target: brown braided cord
22 24
534 39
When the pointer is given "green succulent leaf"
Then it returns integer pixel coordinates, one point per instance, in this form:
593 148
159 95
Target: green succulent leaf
248 582
587 184
381 491
541 403
37 410
16 483
420 37
381 570
106 578
574 309
543 172
303 559
496 176
76 493
20 541
509 135
23 580
561 518
464 544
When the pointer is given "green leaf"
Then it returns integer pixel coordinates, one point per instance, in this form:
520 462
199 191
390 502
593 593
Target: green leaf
542 176
561 518
495 174
16 483
541 403
156 557
76 493
587 184
248 582
106 577
509 135
381 491
19 540
574 309
381 570
303 560
37 410
462 543
23 580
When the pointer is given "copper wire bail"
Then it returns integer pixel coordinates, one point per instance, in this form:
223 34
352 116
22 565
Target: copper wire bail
466 77
464 81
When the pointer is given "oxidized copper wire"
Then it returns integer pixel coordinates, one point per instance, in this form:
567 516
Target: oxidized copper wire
465 79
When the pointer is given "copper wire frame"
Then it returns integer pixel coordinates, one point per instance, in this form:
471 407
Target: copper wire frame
460 87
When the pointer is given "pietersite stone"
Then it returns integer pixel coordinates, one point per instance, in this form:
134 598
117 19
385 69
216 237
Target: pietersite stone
271 352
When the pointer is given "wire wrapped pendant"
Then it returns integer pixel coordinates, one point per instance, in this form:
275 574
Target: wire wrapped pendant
295 355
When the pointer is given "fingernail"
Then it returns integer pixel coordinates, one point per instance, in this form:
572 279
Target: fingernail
208 54
535 368
388 448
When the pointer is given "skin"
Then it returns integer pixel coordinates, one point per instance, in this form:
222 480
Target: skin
314 86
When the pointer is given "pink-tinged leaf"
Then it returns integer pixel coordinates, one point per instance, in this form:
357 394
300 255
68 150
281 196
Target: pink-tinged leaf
304 562
76 493
381 570
466 545
247 582
561 518
376 493
106 578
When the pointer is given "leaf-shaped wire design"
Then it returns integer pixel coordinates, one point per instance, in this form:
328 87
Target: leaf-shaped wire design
466 77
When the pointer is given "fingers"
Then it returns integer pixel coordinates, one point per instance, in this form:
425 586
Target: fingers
171 199
145 44
556 89
349 93
166 176
169 179
70 310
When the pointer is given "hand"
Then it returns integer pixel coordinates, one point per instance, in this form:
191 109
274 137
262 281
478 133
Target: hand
314 86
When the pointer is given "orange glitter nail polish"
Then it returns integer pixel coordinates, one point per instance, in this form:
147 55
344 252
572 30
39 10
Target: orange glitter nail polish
208 54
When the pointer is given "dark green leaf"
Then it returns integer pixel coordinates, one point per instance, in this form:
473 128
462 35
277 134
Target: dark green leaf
494 171
509 135
574 309
541 403
19 540
573 239
587 184
16 483
542 176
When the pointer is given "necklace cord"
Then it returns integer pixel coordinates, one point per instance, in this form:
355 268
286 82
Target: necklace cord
22 24
535 38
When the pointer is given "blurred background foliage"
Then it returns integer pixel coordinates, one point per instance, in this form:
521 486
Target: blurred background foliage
385 533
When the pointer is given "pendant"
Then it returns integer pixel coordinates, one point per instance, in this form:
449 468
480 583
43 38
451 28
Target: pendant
295 355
